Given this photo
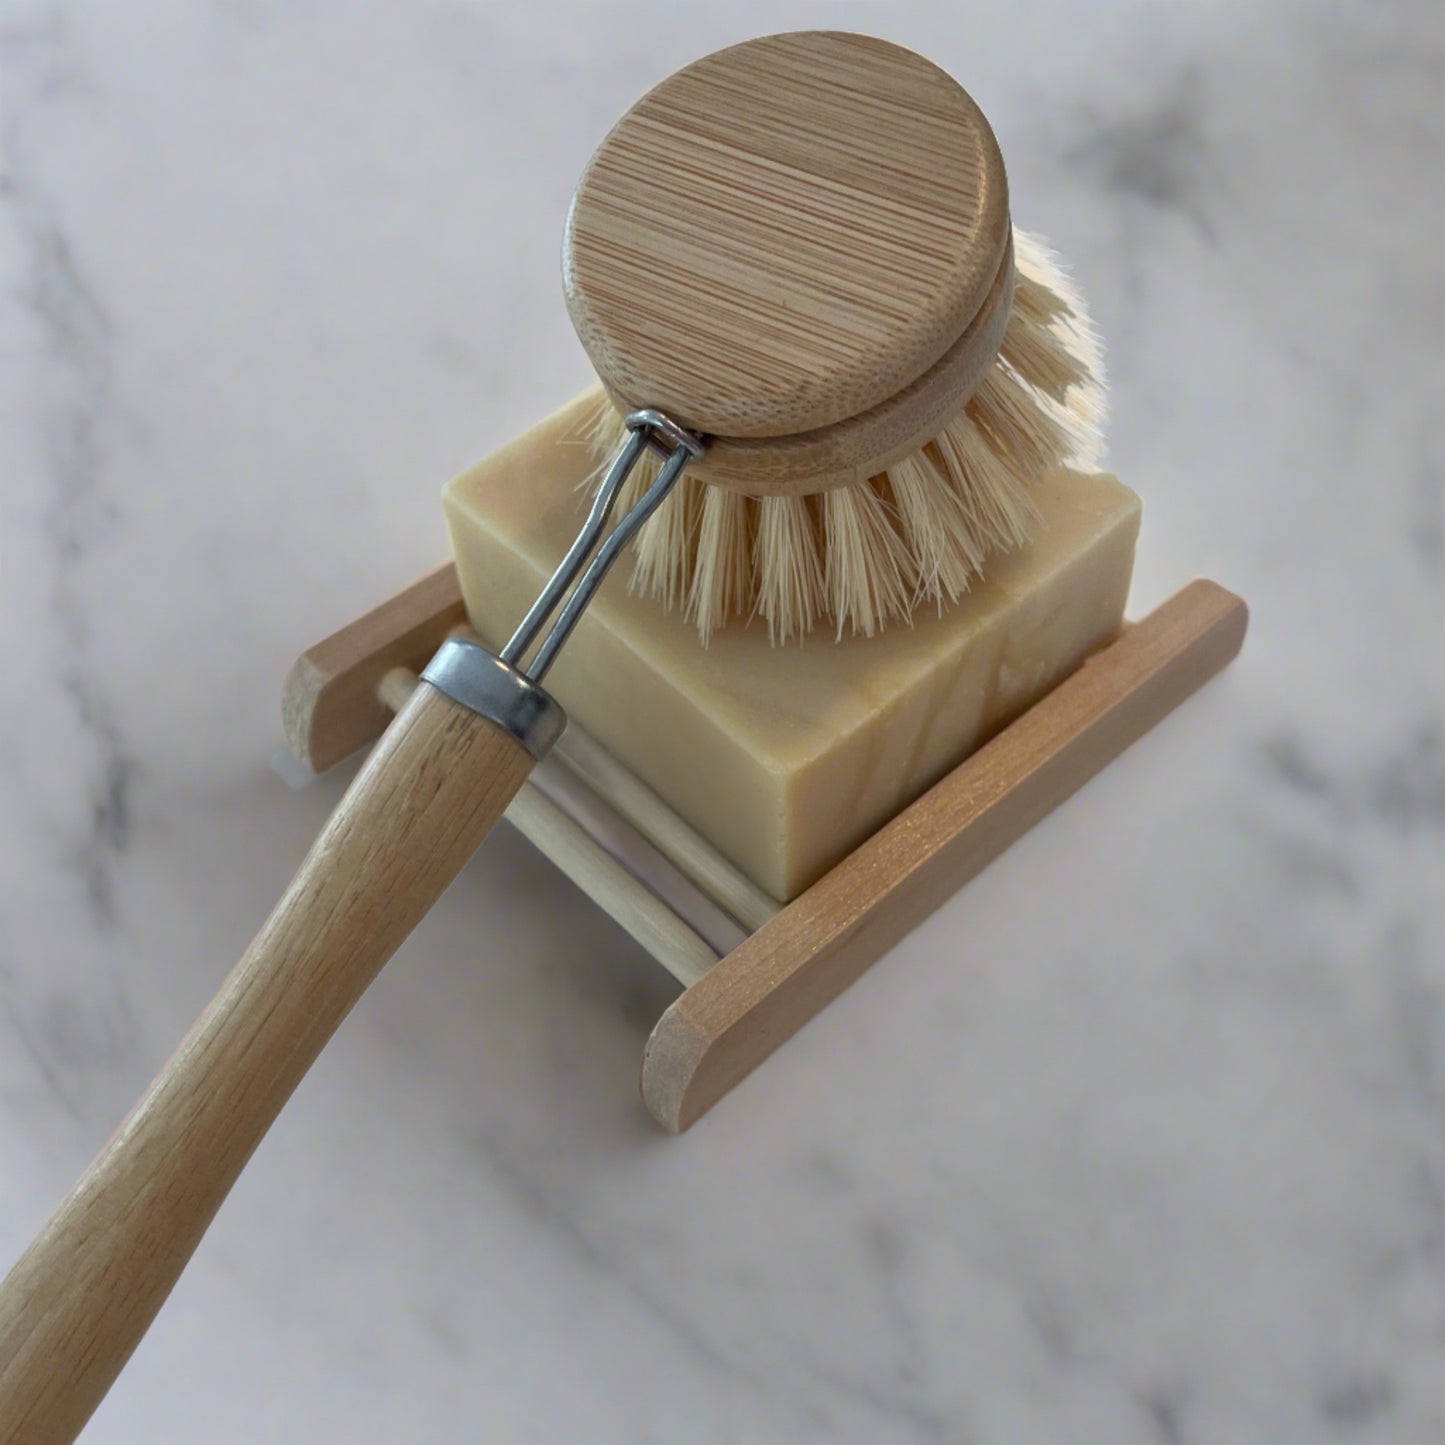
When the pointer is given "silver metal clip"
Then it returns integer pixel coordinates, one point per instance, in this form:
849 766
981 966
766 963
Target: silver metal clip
646 429
500 688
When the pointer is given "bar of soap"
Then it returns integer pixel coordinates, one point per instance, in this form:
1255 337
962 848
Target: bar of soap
786 758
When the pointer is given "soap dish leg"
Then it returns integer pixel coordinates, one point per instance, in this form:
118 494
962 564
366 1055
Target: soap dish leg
762 992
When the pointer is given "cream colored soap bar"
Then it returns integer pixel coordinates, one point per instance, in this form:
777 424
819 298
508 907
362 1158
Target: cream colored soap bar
787 757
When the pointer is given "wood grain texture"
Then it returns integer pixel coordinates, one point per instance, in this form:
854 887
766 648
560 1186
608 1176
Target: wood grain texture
765 990
785 234
81 1297
859 447
330 705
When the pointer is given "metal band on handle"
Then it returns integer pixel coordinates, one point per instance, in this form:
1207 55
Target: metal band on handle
495 690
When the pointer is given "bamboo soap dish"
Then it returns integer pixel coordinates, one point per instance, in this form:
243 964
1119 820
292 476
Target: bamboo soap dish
753 970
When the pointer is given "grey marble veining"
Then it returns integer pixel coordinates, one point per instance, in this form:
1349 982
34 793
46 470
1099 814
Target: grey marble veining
1140 1139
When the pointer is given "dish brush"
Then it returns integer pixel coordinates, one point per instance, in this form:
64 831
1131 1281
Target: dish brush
925 363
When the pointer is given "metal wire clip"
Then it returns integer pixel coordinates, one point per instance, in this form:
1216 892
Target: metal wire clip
646 429
502 689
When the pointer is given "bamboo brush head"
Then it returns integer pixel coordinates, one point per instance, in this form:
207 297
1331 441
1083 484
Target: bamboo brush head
800 247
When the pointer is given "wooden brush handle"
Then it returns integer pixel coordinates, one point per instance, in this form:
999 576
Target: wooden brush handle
80 1298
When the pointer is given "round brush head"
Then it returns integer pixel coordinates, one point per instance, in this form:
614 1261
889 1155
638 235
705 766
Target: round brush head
800 247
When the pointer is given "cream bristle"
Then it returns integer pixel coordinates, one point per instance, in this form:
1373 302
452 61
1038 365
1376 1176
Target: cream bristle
995 500
787 569
600 423
1034 352
721 582
920 532
666 547
1027 437
1039 273
867 572
944 538
1033 299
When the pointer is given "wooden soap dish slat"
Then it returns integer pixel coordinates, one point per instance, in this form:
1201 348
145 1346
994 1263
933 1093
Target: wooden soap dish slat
734 1012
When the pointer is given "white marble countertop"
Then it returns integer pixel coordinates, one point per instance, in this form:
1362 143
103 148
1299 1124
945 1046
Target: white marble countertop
270 274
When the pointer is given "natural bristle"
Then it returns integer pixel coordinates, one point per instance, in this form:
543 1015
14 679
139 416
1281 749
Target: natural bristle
919 533
722 577
787 567
868 575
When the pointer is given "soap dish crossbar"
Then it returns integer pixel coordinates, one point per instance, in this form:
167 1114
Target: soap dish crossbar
754 970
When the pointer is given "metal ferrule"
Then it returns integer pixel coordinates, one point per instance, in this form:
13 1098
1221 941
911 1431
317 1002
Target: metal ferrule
497 691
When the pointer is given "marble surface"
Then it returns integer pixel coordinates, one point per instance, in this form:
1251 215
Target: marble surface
1140 1139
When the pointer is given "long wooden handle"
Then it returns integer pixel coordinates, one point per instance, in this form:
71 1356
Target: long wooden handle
80 1298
